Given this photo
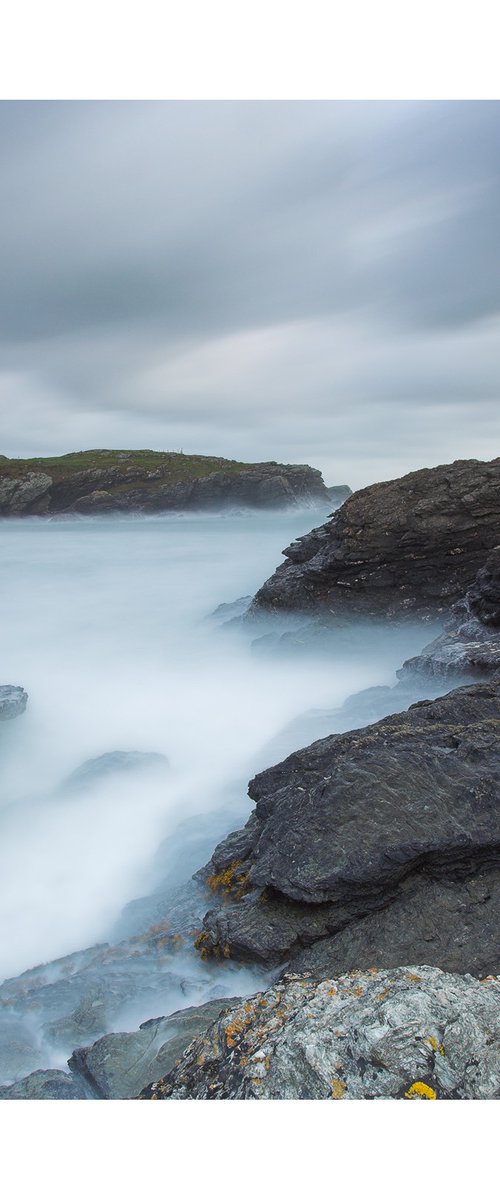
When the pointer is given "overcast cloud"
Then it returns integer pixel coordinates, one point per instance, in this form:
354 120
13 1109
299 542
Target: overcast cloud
302 281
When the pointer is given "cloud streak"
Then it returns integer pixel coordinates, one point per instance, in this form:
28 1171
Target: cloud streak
306 281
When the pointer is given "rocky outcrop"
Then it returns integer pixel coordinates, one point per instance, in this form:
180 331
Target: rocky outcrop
115 762
120 1065
408 548
388 822
339 493
24 493
13 701
45 1085
415 1033
106 481
469 647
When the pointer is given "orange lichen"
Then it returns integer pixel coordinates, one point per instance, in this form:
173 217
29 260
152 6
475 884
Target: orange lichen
231 882
338 1087
420 1091
413 978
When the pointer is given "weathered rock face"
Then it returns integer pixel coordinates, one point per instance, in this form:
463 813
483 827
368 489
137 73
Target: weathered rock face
341 825
45 1085
28 492
413 1033
339 493
13 701
103 481
410 547
119 1065
469 647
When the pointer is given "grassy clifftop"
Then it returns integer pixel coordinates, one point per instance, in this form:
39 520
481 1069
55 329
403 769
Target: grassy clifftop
92 481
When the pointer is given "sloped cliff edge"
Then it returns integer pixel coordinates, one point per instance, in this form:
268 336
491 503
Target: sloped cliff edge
117 481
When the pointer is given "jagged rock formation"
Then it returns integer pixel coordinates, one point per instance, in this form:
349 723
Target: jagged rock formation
410 547
106 481
470 644
379 831
13 701
413 1033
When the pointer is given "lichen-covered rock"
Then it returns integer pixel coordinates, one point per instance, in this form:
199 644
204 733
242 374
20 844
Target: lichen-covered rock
412 1033
339 826
410 547
13 701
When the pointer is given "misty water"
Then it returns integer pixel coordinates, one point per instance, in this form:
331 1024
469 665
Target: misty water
104 623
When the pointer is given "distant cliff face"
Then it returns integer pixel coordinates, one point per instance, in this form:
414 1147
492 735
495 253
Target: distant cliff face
408 547
106 481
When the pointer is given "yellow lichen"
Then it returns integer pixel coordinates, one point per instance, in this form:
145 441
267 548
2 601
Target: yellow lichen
435 1045
413 978
232 881
338 1087
420 1091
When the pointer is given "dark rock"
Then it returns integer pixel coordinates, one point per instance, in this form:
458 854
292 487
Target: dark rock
340 825
408 548
411 1033
120 1065
45 1085
469 647
24 493
13 701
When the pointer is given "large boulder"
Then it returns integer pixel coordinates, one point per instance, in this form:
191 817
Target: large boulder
413 1033
119 1065
407 548
342 829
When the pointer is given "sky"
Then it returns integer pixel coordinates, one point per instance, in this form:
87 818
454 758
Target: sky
303 281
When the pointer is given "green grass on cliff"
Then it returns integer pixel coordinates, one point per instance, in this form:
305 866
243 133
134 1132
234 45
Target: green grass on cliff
174 466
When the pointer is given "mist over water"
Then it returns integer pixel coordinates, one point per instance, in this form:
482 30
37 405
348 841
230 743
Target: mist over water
103 621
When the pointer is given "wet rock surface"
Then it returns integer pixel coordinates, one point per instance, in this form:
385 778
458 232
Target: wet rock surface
45 1085
410 547
412 1033
13 701
120 1065
469 646
340 826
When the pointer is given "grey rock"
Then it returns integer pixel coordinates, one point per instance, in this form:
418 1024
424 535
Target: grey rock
13 701
115 762
407 548
412 1033
120 1065
339 493
27 493
340 825
45 1085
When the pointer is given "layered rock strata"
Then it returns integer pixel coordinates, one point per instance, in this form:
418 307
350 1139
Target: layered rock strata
410 547
391 833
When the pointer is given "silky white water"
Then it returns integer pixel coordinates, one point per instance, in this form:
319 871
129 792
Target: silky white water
102 621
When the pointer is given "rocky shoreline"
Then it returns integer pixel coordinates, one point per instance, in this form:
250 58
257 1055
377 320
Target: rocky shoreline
145 481
368 851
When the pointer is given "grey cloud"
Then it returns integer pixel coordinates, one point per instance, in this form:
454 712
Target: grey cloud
194 268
